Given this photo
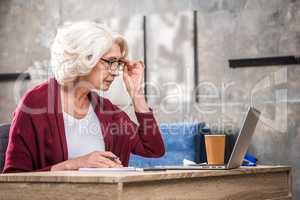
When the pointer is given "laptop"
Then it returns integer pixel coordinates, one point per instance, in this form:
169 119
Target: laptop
239 150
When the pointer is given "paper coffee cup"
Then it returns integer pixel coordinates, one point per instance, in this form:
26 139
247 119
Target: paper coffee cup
215 149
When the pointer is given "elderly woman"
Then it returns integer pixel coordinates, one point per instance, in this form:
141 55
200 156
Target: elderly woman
62 124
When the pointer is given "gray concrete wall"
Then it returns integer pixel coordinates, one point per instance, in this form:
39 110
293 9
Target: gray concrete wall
226 29
253 29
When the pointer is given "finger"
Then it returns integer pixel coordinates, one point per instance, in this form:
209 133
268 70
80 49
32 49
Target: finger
113 156
138 67
134 64
116 160
119 161
109 156
108 153
108 162
125 60
142 64
99 164
127 72
105 153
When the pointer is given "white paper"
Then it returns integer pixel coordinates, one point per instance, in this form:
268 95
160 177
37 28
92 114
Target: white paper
116 169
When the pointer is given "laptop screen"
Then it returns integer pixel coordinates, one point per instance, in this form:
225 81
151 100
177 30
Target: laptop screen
244 138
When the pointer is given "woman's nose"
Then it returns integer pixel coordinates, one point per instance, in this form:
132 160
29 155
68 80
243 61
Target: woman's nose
114 72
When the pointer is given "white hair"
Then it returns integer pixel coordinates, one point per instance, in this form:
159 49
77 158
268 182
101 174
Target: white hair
78 47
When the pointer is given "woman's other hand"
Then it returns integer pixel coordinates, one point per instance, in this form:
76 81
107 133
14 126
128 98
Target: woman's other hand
133 77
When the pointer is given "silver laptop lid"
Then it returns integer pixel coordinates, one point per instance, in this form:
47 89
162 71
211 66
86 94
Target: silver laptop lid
244 138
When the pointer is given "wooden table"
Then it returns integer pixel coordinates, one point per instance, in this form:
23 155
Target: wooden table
263 182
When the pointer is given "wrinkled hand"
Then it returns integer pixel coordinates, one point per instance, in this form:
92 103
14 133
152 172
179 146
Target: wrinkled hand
98 159
133 77
93 159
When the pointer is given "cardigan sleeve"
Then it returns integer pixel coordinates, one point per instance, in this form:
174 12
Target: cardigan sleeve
145 137
18 157
147 140
21 145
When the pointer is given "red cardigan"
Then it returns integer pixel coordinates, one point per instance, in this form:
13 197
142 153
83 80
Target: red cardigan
37 136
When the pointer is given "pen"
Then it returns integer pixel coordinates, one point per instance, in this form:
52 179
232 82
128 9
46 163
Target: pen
114 158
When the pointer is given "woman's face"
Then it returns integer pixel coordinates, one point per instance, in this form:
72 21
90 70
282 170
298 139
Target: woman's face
101 77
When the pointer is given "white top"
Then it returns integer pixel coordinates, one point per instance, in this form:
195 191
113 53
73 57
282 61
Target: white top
83 135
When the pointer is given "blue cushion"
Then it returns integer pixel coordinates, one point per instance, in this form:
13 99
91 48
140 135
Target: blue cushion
179 144
4 131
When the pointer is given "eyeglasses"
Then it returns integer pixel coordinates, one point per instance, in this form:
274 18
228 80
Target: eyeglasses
114 65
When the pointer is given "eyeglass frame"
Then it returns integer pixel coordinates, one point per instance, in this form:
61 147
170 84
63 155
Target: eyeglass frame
110 63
